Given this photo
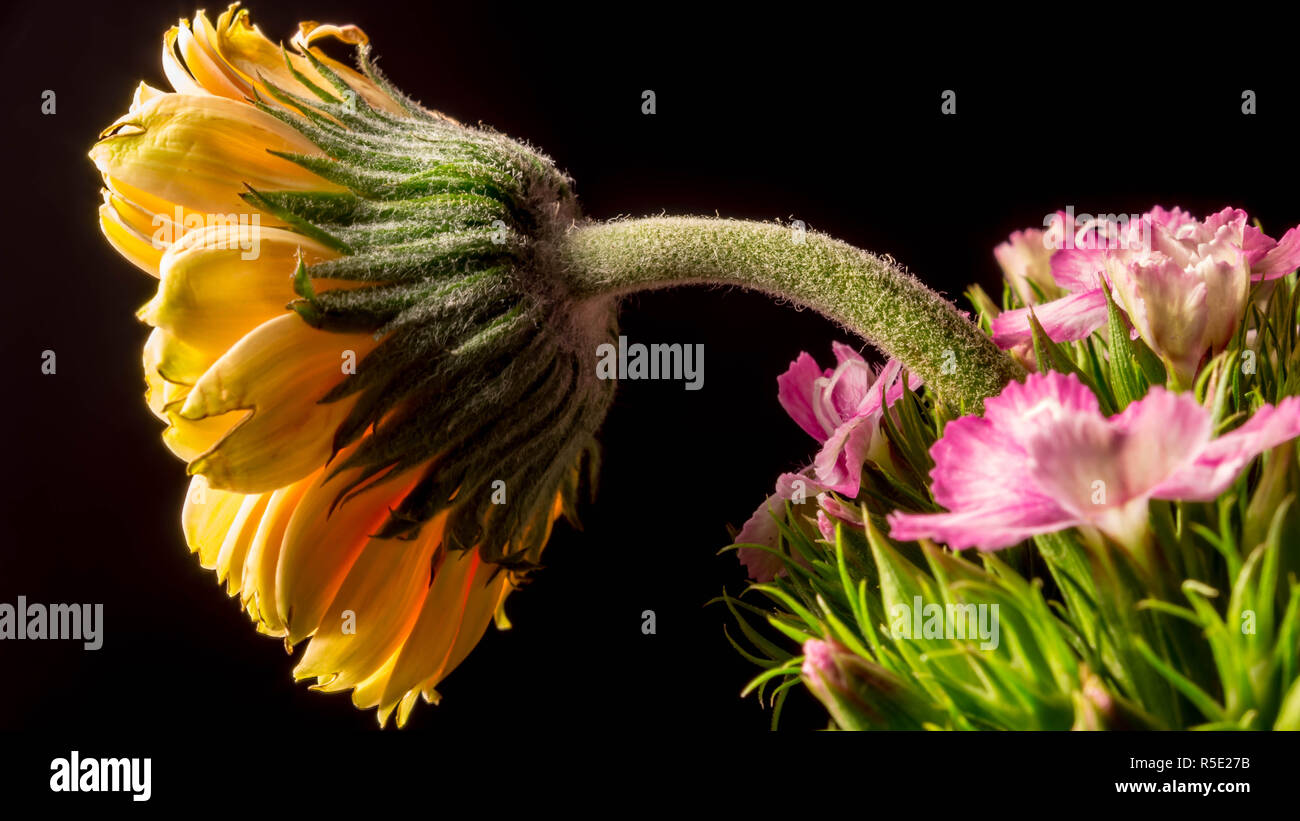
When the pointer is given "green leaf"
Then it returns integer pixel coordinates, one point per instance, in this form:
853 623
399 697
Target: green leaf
1125 376
1207 705
1050 355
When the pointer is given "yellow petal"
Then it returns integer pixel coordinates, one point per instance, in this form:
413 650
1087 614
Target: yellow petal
173 360
191 438
200 152
177 74
169 364
209 70
143 94
368 693
118 219
211 295
310 31
167 222
156 227
247 51
264 555
250 53
230 561
155 392
159 393
279 371
206 519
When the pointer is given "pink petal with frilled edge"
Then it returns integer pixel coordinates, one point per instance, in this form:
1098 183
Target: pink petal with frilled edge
1281 260
1255 245
1064 320
984 476
976 465
838 465
1234 218
1078 269
796 391
1023 407
989 528
848 393
1170 306
798 487
1219 461
1093 466
1173 221
844 354
1043 458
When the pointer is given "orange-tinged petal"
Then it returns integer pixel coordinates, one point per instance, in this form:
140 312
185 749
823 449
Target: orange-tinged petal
485 597
429 646
321 544
250 53
484 603
177 74
383 591
246 51
203 65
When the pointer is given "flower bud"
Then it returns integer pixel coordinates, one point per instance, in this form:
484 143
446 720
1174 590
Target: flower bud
858 693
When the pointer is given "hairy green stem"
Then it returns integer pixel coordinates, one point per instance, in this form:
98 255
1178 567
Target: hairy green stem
866 294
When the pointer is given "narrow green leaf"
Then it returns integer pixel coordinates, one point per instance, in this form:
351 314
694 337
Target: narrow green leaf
1125 376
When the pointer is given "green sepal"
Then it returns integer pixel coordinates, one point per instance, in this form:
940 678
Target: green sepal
255 198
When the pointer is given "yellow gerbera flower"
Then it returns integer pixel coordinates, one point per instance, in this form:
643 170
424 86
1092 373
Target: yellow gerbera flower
360 348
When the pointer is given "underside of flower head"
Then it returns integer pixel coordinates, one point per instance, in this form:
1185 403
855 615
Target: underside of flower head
362 347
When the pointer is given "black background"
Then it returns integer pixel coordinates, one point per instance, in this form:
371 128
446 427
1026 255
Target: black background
831 117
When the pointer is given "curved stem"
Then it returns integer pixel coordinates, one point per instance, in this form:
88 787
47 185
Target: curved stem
868 295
